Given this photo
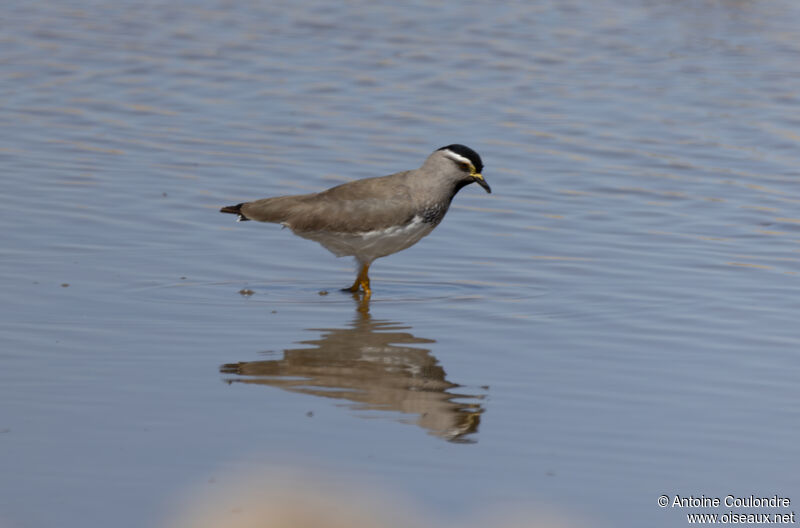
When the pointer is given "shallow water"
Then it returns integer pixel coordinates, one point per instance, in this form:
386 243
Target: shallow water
615 322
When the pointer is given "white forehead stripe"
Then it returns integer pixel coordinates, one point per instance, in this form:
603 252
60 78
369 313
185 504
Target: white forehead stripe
457 157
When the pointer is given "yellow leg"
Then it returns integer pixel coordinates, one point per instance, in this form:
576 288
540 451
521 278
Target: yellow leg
362 281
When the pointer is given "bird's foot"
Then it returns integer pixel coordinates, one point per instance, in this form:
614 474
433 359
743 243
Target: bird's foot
359 286
361 283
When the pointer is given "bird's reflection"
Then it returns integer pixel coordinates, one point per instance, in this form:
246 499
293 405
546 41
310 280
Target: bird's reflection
376 365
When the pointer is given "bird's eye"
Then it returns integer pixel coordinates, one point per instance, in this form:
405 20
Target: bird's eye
464 166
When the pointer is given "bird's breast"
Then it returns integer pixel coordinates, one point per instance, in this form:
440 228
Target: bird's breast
433 213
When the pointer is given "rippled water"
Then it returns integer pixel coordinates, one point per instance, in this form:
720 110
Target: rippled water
617 321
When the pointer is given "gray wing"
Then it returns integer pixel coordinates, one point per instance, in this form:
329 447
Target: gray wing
357 206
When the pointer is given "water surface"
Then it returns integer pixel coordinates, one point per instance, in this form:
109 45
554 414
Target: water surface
615 322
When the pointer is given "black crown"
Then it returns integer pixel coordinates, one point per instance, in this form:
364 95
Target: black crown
463 150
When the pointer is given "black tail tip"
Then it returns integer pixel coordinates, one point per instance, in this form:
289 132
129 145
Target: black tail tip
233 209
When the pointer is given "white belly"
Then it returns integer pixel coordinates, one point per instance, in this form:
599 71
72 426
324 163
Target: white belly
370 245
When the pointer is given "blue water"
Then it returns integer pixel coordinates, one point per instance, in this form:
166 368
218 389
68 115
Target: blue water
617 321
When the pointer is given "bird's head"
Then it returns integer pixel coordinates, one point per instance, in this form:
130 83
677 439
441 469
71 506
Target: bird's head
459 164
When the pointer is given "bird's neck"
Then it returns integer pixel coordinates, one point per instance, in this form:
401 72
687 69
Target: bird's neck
432 192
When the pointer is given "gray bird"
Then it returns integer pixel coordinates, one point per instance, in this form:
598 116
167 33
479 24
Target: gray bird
373 217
